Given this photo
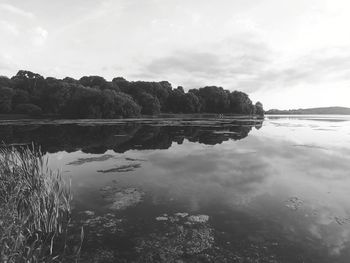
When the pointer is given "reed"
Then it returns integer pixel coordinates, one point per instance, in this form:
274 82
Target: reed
35 209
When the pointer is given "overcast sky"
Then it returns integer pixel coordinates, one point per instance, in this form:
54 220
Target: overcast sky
285 53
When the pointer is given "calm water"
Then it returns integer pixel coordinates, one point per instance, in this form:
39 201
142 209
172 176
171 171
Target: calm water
276 191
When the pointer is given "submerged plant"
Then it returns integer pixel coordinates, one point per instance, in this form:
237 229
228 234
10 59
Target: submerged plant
35 205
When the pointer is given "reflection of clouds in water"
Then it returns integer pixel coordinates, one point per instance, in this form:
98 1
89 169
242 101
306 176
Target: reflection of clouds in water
219 174
333 236
60 156
314 230
233 175
307 159
321 177
321 131
232 170
254 176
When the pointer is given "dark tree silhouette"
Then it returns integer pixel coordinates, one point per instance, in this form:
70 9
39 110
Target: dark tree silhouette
149 105
259 110
240 103
6 95
95 97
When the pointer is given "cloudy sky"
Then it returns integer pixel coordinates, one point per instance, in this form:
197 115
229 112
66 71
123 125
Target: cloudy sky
285 53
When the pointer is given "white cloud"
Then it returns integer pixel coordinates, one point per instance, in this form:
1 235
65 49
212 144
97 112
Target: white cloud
7 64
40 36
9 27
16 11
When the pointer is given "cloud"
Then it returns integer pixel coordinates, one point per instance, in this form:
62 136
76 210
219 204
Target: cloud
193 62
227 63
7 64
321 66
9 27
16 11
40 36
101 12
250 65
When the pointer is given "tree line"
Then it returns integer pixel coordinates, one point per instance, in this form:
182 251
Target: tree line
95 97
322 110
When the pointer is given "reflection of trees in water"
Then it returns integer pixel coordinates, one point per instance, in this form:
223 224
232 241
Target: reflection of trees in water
258 125
119 138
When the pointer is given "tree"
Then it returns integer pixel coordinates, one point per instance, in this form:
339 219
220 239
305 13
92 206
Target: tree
28 109
29 81
216 99
20 97
259 110
181 89
121 83
56 95
5 82
240 103
175 102
159 90
95 97
126 106
84 103
108 104
191 103
94 82
6 95
149 105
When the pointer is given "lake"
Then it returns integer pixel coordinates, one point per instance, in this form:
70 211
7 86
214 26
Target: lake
203 189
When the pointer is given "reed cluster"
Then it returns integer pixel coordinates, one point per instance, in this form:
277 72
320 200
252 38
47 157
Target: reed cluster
35 209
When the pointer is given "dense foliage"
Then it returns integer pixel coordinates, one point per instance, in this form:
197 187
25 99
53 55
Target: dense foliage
95 97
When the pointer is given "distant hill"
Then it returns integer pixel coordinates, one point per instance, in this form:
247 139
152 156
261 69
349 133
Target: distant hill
323 110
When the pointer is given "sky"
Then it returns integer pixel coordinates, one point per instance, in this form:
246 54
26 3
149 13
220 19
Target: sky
285 53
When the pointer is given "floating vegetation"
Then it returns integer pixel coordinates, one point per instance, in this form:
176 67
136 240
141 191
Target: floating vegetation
119 198
180 236
181 214
101 158
294 203
96 227
225 132
100 256
35 209
162 218
198 219
342 220
107 223
310 146
99 231
88 213
122 168
135 160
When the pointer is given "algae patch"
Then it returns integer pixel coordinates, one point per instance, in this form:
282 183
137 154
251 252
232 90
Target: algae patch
177 236
121 168
101 158
294 203
121 198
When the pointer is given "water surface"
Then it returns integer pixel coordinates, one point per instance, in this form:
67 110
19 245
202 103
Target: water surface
247 191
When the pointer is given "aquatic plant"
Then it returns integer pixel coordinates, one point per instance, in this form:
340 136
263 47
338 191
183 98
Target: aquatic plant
35 205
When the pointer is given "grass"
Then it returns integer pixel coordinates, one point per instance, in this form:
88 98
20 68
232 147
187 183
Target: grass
35 209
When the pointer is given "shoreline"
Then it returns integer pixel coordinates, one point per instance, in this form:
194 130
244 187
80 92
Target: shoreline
14 117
